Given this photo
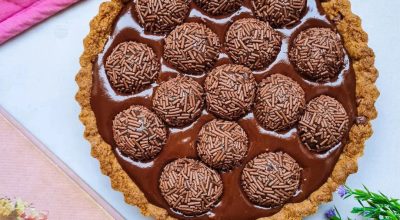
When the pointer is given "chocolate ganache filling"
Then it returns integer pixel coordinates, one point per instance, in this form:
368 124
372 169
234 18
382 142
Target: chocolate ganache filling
288 151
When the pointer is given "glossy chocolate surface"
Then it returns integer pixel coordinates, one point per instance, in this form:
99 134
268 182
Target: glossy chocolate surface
106 103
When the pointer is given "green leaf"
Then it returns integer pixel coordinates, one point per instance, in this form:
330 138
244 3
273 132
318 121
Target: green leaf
374 205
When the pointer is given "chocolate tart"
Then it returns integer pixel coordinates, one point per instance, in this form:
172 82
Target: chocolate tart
258 114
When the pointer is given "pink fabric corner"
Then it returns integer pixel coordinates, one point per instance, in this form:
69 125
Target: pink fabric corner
10 7
29 171
18 15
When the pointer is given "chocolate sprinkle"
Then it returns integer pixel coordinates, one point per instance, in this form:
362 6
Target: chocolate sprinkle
219 7
270 179
139 133
318 54
161 16
190 187
279 102
230 91
192 48
131 67
323 124
222 144
179 101
278 13
252 43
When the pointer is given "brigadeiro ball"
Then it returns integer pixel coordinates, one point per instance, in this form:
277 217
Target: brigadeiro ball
222 145
192 48
230 91
279 102
219 7
190 187
139 133
279 13
323 124
252 43
179 101
131 67
270 179
318 54
161 16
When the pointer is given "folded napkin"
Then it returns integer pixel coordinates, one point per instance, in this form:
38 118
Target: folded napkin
29 171
18 15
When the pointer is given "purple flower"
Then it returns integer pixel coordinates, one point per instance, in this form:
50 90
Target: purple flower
330 213
342 191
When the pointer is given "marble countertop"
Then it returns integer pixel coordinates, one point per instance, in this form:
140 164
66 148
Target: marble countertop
37 86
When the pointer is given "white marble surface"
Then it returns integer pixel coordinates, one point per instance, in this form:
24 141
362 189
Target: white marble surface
37 71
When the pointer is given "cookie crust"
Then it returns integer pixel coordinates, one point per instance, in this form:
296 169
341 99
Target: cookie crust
355 42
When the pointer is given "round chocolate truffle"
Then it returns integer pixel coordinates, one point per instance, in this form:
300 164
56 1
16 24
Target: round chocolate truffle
222 144
323 124
219 7
279 13
192 48
252 43
179 101
131 67
270 179
161 16
230 91
279 102
139 133
318 54
190 187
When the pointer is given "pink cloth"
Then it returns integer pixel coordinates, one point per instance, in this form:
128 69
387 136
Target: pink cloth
29 171
18 15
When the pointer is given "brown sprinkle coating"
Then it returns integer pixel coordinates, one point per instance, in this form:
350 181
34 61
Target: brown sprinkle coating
193 48
278 13
222 145
252 43
219 7
270 179
190 187
323 124
179 101
280 101
131 67
318 54
161 16
139 133
230 91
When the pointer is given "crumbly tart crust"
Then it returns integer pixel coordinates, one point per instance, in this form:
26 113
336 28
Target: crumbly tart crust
355 41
